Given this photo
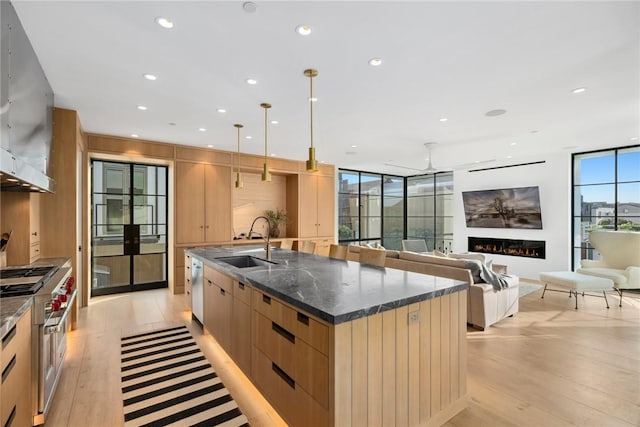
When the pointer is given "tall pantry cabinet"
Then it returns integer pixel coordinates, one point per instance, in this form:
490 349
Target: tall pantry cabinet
203 203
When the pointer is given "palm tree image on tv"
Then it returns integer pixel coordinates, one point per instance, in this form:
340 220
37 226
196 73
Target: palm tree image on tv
503 208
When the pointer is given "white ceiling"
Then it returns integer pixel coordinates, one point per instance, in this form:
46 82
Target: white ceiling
440 59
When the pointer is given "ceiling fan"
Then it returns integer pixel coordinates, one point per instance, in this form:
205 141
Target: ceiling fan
431 169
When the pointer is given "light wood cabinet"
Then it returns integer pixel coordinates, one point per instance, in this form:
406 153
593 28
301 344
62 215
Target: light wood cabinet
187 282
21 215
203 203
218 306
241 326
290 361
316 205
15 408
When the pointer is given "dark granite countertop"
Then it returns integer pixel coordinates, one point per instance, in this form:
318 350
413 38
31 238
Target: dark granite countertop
12 309
333 290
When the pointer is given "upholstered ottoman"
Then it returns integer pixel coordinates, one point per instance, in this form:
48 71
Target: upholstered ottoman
576 282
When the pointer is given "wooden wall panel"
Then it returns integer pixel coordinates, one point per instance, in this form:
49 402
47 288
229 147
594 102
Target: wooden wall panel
129 146
392 372
374 370
256 197
203 155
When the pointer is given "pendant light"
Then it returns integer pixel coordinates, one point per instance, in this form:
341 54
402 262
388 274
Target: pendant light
238 177
312 164
266 176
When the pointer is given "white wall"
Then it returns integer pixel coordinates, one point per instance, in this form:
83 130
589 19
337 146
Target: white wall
554 181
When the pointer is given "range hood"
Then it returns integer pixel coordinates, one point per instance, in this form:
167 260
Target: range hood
26 111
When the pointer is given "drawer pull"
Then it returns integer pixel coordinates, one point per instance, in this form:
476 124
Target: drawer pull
302 318
11 417
282 374
7 338
9 368
283 332
241 286
222 292
266 299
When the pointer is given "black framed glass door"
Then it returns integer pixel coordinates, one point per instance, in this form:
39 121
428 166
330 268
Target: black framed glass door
129 227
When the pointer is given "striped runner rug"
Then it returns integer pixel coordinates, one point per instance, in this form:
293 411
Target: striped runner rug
167 381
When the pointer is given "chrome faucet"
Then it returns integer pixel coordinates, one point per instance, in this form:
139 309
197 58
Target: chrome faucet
266 239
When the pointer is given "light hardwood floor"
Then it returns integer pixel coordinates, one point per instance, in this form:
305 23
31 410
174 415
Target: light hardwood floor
548 366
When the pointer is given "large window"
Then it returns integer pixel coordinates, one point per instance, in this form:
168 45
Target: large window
386 209
606 195
370 208
430 210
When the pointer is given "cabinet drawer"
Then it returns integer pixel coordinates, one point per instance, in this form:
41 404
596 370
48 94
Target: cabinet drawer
221 280
242 292
296 406
16 373
274 310
307 366
34 251
313 332
16 338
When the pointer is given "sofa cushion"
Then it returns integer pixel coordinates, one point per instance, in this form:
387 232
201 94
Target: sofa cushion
473 265
468 255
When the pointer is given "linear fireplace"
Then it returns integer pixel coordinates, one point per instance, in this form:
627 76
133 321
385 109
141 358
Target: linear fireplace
522 248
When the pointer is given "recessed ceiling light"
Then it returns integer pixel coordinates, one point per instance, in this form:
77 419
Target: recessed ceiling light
274 122
134 135
12 180
273 154
210 145
314 99
251 81
374 62
202 129
633 138
24 184
579 90
164 22
303 30
508 157
221 110
493 113
354 146
142 107
150 77
249 6
33 187
513 143
444 119
248 137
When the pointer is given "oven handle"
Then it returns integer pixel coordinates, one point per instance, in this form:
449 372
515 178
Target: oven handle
48 330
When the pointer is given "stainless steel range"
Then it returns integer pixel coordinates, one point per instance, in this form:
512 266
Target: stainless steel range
53 295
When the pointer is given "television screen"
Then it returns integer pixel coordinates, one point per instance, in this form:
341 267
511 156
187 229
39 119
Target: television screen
505 208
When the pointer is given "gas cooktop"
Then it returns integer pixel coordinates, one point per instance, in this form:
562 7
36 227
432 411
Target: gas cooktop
17 281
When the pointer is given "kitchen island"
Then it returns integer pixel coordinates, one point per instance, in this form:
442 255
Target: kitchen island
333 342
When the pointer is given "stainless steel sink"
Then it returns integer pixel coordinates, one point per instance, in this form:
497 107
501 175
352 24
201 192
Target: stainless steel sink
245 261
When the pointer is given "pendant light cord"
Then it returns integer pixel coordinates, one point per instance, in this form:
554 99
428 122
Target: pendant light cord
311 106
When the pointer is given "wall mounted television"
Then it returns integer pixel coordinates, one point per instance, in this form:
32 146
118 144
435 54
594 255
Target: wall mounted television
503 208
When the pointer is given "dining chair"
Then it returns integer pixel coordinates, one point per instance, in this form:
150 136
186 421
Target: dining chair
414 245
376 257
286 244
338 251
308 246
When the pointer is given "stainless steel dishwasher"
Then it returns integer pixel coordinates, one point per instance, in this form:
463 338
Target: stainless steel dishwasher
197 289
